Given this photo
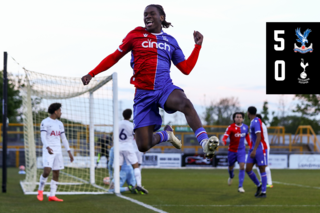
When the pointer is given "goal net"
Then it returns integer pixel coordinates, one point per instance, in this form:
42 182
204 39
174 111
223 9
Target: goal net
89 115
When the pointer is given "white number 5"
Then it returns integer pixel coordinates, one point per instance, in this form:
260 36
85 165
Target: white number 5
276 38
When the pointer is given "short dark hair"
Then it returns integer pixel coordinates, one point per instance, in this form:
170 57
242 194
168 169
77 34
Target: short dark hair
236 113
260 117
160 9
252 110
127 114
54 107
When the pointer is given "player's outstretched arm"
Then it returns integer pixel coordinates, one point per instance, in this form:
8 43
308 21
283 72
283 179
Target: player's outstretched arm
104 65
187 66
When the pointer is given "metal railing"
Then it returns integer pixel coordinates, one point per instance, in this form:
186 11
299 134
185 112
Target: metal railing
279 139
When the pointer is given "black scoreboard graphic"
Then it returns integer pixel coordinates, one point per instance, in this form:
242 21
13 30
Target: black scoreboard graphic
293 58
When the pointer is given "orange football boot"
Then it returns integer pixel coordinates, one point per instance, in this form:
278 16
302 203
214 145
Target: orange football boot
54 198
40 195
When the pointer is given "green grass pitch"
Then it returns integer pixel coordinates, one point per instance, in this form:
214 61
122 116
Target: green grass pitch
182 191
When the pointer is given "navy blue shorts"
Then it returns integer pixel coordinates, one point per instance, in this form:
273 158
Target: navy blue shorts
261 158
146 106
239 156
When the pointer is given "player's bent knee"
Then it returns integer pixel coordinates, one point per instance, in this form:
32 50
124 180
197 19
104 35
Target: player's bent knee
186 106
143 147
45 174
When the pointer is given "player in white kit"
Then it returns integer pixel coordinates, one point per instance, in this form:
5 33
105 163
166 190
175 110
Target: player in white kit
266 139
127 150
52 130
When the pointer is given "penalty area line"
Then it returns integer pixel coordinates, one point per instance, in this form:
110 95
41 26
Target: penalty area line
141 204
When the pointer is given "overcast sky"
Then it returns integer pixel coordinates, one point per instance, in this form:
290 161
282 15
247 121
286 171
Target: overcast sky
71 37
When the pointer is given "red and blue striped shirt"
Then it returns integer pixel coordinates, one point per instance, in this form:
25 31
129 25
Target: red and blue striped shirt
151 56
237 135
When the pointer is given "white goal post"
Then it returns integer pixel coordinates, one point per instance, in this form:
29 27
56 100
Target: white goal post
90 117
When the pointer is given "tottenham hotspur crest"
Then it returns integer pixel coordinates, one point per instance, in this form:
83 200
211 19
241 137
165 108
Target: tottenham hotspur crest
303 40
303 76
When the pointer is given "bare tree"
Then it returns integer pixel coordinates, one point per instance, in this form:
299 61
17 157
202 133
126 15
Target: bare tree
220 112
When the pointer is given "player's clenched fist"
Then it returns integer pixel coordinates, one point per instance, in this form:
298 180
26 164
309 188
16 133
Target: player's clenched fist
198 37
86 79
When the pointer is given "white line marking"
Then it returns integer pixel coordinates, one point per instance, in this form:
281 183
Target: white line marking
141 204
293 184
59 183
62 193
84 181
242 205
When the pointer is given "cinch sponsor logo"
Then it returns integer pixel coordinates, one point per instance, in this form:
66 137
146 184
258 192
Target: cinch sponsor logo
153 44
240 134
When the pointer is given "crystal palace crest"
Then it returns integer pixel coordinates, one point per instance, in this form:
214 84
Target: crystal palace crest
303 40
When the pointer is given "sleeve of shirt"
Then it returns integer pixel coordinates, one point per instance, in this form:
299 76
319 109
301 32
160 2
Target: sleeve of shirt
256 126
186 66
248 139
113 58
43 134
226 135
126 44
177 55
64 138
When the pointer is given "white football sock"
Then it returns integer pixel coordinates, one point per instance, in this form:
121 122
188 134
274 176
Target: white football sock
140 173
269 179
53 188
42 183
203 143
167 136
137 174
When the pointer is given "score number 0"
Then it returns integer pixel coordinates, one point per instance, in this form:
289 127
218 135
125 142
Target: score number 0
279 62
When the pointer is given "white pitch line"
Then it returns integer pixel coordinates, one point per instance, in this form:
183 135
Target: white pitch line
141 204
84 181
293 184
240 205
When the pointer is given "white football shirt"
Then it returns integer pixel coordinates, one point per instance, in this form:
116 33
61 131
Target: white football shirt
265 134
126 135
53 129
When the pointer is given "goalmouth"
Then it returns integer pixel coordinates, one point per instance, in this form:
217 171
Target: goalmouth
90 117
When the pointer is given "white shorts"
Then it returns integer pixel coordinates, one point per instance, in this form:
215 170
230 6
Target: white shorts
54 161
139 156
129 157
